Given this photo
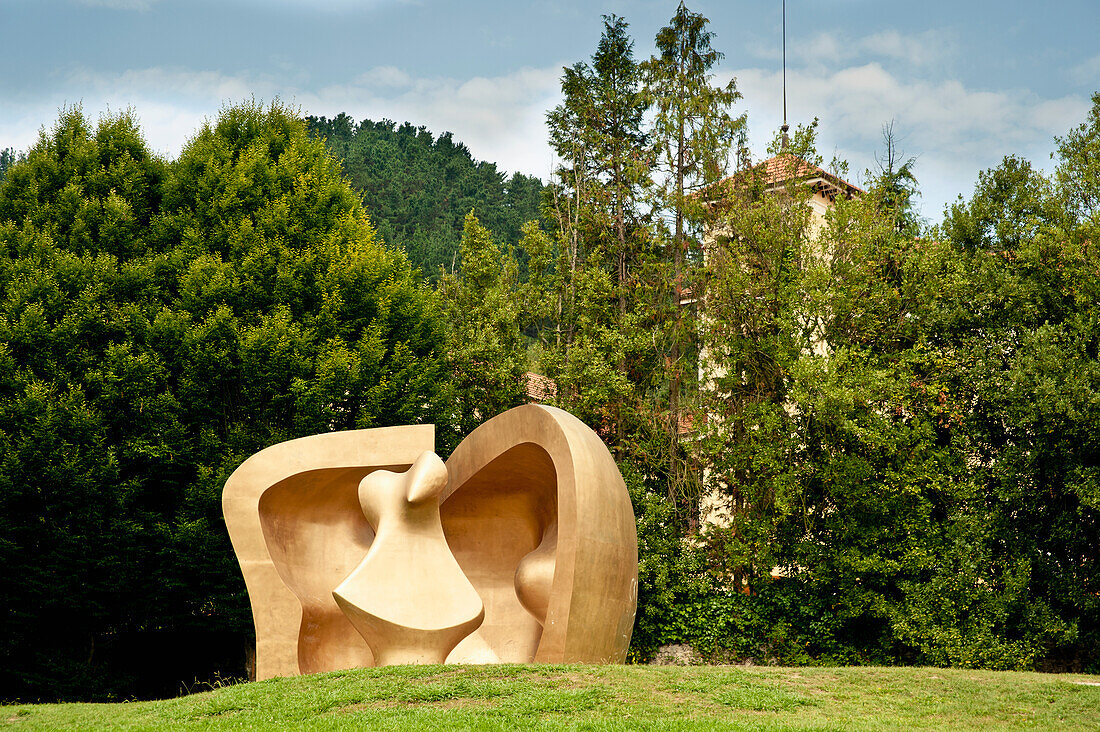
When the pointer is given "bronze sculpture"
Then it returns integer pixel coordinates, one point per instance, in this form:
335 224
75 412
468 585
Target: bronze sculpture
534 514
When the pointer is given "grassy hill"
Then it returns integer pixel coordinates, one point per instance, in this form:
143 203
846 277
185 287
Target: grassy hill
608 697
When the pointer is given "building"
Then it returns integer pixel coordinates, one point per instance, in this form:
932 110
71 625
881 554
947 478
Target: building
775 176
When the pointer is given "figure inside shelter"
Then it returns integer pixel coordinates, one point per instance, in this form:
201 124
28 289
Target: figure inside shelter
363 548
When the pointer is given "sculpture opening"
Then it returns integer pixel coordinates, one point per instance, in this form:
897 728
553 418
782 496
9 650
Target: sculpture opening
316 535
493 521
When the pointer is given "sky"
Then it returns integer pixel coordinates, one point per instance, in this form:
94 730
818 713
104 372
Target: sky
964 82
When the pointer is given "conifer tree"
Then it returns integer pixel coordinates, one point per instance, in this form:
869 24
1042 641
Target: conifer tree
1079 166
160 321
602 237
485 351
693 135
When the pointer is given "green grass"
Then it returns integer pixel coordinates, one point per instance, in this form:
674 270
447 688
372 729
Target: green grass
607 697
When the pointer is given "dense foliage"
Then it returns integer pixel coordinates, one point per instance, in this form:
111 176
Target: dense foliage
418 189
888 453
7 159
901 432
854 439
159 322
486 358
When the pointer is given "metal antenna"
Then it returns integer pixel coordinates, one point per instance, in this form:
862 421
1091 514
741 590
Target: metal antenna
785 141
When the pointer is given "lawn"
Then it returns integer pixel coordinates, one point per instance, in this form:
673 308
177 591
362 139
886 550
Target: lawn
608 697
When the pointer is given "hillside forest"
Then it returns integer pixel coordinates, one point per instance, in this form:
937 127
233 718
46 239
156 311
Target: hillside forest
869 439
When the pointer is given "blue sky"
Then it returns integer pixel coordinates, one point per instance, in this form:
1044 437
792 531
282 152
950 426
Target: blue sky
964 82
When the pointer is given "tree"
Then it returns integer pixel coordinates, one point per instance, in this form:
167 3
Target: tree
617 139
943 511
160 322
693 135
601 237
485 355
419 188
1021 327
1010 205
596 132
1079 168
753 330
7 159
894 184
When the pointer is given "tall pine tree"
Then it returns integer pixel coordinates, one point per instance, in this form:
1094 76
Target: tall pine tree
603 238
693 135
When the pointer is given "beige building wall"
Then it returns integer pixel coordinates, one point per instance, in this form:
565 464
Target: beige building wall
714 508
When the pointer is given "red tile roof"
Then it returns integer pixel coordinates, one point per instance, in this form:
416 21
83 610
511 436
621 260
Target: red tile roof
786 167
783 168
540 388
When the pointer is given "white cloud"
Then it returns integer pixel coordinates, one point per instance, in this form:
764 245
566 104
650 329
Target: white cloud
313 5
501 119
170 103
931 48
160 82
334 6
928 48
954 131
1088 71
389 77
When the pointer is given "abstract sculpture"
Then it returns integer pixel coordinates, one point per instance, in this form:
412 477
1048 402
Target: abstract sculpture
362 548
409 598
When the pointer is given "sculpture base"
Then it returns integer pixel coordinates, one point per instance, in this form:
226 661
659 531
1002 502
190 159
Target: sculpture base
393 644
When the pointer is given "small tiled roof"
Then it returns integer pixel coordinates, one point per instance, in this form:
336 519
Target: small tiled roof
782 168
786 167
540 388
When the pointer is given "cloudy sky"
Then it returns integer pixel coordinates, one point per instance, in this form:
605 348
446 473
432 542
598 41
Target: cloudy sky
965 82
